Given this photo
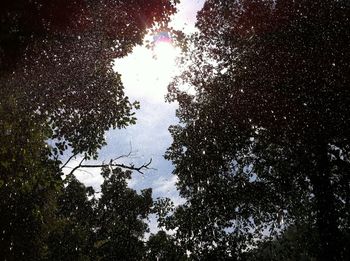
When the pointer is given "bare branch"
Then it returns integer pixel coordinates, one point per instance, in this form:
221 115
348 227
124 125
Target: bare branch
130 154
123 156
139 169
70 158
82 170
78 166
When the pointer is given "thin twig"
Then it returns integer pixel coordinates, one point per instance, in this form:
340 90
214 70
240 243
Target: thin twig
70 158
78 166
123 156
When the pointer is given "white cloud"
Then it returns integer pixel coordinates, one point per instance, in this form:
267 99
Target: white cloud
164 185
185 18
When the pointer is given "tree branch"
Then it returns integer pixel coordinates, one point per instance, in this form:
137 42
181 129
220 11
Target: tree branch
77 167
70 158
111 164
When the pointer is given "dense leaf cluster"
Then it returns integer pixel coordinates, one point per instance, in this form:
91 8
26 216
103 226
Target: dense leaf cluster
262 148
57 87
110 227
57 58
261 151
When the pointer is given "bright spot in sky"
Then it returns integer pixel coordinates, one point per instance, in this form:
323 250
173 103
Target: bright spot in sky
165 54
147 72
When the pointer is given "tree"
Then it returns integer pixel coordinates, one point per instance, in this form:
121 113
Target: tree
73 236
121 215
57 56
161 246
266 134
293 244
29 183
57 85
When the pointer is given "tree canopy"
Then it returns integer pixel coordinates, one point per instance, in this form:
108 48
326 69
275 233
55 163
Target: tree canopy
261 152
59 94
265 136
57 57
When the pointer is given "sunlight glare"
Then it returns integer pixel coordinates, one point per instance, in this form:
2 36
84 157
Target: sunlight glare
147 72
165 54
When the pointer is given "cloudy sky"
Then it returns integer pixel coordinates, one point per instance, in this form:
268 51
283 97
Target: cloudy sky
145 79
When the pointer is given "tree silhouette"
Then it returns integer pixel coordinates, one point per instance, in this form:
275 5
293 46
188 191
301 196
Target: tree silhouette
266 135
121 215
72 236
57 57
57 87
161 246
29 181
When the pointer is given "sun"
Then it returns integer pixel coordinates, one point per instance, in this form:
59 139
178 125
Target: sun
147 72
165 55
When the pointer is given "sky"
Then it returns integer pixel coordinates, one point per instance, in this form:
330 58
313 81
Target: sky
145 78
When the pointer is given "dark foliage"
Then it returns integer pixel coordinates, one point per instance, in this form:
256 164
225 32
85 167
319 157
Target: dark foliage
57 86
162 246
73 237
28 183
265 137
57 57
121 218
